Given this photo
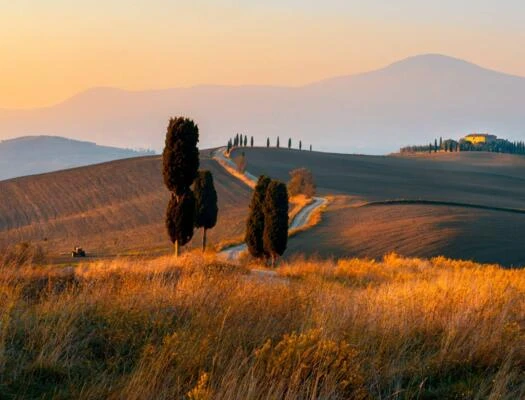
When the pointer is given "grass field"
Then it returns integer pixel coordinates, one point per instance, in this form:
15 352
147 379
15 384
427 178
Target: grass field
196 328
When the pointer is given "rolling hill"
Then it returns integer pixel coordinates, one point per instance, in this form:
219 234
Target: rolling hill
107 208
435 215
409 102
468 205
38 154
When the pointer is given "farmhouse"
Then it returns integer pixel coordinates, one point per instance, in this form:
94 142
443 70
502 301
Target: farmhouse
476 138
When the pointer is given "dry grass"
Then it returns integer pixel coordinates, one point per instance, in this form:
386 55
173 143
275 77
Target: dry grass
199 329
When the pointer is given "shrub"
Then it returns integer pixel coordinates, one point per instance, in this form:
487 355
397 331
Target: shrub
301 182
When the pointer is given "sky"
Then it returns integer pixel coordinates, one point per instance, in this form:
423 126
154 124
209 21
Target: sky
51 50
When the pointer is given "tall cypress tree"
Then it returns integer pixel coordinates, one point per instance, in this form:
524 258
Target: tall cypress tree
251 141
277 142
245 140
300 144
206 208
255 222
180 219
180 160
275 236
289 143
267 142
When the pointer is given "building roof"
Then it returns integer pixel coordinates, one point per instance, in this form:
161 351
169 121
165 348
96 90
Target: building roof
481 134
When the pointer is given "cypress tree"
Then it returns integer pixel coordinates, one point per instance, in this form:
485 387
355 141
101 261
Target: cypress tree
310 147
300 145
181 155
277 142
229 145
267 142
245 140
435 145
180 219
289 143
275 236
206 208
251 141
255 222
180 163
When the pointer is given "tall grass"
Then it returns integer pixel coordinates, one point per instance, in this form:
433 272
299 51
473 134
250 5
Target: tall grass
197 328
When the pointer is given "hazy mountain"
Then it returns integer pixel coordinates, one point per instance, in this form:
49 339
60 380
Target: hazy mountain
409 102
38 154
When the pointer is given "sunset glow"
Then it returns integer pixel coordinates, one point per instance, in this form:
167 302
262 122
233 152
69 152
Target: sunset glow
54 49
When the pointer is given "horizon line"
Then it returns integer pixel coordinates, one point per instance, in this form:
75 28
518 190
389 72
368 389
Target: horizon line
248 85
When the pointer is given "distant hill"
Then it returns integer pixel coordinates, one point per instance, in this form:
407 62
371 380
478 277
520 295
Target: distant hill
31 155
409 102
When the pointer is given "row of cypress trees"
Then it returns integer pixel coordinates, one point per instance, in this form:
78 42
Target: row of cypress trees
187 208
267 225
242 141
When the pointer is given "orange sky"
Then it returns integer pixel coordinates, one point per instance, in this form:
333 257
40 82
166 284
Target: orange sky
51 51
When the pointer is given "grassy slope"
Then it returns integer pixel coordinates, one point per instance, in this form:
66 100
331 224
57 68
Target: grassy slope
198 329
492 180
107 208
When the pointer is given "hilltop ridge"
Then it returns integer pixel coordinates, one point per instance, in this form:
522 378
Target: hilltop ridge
409 101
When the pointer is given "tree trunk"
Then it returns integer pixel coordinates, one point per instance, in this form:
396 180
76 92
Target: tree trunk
203 240
176 248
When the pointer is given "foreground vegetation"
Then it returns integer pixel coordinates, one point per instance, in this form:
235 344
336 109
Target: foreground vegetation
197 328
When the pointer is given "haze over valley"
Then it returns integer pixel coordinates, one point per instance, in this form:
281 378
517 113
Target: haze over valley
38 154
409 102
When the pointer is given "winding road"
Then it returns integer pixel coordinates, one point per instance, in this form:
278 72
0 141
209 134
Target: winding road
300 219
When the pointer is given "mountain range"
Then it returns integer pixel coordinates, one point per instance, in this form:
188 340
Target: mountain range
409 102
31 155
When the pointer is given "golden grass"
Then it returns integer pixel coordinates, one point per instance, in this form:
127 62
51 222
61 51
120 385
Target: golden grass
197 328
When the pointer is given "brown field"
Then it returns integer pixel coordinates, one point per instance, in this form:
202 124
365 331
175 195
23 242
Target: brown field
415 230
422 230
118 207
198 329
479 178
109 208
